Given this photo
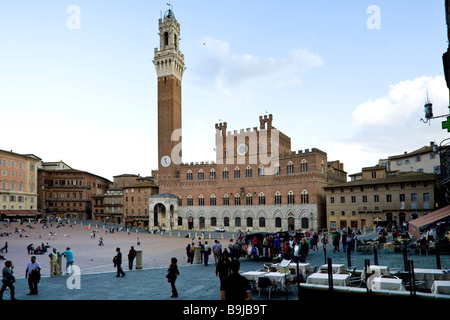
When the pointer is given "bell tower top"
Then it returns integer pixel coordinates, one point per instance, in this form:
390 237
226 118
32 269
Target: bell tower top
168 58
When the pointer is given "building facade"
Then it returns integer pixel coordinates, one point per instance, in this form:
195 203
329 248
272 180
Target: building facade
126 202
67 193
425 159
18 185
257 183
379 197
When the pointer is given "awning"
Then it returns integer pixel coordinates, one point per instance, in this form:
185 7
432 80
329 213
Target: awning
433 217
21 213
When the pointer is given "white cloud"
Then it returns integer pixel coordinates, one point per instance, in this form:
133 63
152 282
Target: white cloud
218 65
390 125
403 103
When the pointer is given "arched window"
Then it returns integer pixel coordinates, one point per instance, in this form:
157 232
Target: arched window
226 222
237 222
180 201
226 200
304 166
212 174
262 222
212 200
277 222
249 222
261 199
291 198
166 38
201 200
237 200
277 169
248 172
304 196
278 197
190 201
225 173
261 171
201 175
290 168
189 176
305 223
249 199
213 221
237 173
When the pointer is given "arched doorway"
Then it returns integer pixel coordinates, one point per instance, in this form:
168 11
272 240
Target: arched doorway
291 223
159 215
190 223
201 222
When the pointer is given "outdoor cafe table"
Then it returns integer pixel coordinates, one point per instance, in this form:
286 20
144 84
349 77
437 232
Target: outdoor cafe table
322 278
429 276
304 268
337 268
253 275
380 283
440 287
379 271
278 278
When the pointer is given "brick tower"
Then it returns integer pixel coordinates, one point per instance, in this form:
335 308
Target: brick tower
169 64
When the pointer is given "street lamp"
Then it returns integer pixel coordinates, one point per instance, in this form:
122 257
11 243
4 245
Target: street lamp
428 109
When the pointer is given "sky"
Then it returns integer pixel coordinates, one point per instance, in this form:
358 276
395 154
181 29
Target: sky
350 77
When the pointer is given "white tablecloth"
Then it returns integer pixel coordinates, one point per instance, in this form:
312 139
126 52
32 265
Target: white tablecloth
278 278
253 275
440 287
379 271
322 278
380 283
304 268
429 276
337 268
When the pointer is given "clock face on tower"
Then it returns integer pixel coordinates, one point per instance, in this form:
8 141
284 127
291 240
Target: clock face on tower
165 161
242 149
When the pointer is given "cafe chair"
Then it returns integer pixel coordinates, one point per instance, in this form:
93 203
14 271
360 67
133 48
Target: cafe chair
264 283
389 276
416 286
394 271
355 280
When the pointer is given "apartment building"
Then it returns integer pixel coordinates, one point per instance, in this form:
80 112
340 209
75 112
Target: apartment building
380 197
18 185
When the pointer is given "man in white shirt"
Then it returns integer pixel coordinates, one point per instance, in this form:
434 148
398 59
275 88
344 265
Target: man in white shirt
33 274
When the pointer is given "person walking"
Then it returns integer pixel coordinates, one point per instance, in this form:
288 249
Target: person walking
118 263
223 267
69 260
336 239
304 249
235 287
188 253
33 274
8 280
217 250
171 276
54 263
206 253
131 256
